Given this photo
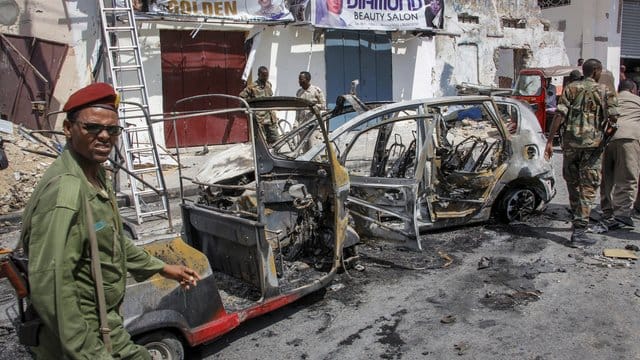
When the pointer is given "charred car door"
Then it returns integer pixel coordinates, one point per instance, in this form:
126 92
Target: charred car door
382 156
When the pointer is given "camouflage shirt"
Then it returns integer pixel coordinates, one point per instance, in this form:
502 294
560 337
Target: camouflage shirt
582 103
257 90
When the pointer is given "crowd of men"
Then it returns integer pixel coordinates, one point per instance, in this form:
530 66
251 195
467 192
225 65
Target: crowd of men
601 148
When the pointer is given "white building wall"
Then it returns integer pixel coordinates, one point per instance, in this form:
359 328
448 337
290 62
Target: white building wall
413 62
591 30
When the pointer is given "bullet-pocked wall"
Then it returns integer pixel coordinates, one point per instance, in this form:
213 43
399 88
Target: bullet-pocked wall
477 31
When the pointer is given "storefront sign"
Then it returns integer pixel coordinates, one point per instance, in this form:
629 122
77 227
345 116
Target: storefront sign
378 14
242 10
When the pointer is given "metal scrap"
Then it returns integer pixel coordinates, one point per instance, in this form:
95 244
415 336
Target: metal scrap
606 262
446 257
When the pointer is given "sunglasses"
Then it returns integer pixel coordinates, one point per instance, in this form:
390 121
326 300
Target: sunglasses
95 129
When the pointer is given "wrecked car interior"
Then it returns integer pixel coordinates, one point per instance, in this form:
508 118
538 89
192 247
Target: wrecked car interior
427 164
423 164
284 215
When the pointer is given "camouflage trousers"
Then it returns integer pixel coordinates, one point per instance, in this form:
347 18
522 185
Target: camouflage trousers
581 171
270 132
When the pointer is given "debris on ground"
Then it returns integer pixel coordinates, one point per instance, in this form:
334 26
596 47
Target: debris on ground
25 168
484 263
506 301
446 257
607 262
448 319
462 347
632 247
619 254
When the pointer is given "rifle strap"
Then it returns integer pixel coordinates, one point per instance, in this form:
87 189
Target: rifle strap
605 108
96 271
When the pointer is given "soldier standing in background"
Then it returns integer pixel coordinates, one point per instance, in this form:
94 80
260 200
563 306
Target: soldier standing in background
311 93
262 88
620 164
586 107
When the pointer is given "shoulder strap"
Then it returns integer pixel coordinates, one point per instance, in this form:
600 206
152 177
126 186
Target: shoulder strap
605 105
96 272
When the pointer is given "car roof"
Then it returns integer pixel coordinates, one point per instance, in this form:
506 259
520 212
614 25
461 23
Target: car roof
444 100
408 103
560 70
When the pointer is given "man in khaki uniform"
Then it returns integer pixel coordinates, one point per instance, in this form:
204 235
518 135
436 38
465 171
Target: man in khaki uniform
55 236
267 119
621 161
309 92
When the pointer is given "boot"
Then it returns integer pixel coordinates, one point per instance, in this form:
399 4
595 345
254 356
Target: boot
611 223
625 220
579 237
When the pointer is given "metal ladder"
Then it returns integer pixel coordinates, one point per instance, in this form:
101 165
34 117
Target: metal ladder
122 52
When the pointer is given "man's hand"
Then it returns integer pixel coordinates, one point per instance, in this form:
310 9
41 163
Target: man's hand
548 150
184 275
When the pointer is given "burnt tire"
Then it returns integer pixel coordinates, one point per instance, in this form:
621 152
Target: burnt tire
162 346
516 204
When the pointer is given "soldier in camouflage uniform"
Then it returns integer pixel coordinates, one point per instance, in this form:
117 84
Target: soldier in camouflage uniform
266 119
585 107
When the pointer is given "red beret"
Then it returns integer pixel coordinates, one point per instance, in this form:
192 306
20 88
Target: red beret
97 94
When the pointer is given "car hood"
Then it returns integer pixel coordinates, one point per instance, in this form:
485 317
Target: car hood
228 164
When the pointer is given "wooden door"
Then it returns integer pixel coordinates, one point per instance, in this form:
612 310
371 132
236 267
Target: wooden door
210 63
21 87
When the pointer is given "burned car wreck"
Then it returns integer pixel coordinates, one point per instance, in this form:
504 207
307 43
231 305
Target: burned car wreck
276 234
427 164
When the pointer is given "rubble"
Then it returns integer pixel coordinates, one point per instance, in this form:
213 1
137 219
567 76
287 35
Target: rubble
25 170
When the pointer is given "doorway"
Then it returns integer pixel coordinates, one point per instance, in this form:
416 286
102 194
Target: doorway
509 62
361 55
209 63
22 91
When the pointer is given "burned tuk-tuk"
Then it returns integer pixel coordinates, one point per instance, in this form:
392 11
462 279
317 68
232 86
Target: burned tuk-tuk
274 236
533 86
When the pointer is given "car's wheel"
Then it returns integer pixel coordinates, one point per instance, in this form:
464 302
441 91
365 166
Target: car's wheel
163 346
516 204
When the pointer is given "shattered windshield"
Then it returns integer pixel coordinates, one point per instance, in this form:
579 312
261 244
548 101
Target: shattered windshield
528 85
297 138
347 137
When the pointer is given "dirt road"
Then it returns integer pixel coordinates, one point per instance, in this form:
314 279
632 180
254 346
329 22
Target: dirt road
480 292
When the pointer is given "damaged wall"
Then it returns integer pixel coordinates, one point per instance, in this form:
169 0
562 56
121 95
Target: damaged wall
480 23
75 23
